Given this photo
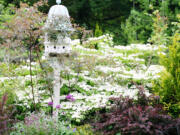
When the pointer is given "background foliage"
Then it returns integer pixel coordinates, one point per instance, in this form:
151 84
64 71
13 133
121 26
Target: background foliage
115 16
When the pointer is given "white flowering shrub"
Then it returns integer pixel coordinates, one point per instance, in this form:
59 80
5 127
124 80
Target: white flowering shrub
92 76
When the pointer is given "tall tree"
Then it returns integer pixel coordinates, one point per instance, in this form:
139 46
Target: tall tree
24 30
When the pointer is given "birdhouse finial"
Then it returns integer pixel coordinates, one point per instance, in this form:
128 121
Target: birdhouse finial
58 2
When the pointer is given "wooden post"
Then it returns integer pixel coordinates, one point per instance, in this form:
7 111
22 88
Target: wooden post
57 67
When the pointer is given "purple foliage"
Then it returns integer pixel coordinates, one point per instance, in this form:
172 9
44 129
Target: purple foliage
144 116
6 113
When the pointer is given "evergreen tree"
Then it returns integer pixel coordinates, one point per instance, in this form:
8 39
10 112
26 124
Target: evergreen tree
169 85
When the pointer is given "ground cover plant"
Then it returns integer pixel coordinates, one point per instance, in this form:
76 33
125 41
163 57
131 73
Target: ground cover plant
41 124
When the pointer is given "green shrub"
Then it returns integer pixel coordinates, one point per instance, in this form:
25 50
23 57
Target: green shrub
168 87
98 32
94 44
85 130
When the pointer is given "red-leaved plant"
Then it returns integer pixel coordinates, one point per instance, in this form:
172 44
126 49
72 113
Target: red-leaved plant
144 116
6 113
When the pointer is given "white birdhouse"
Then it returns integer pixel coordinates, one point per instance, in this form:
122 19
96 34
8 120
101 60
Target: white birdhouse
57 31
57 42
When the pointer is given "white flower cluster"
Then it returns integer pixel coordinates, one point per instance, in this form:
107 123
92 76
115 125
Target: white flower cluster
104 76
104 88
